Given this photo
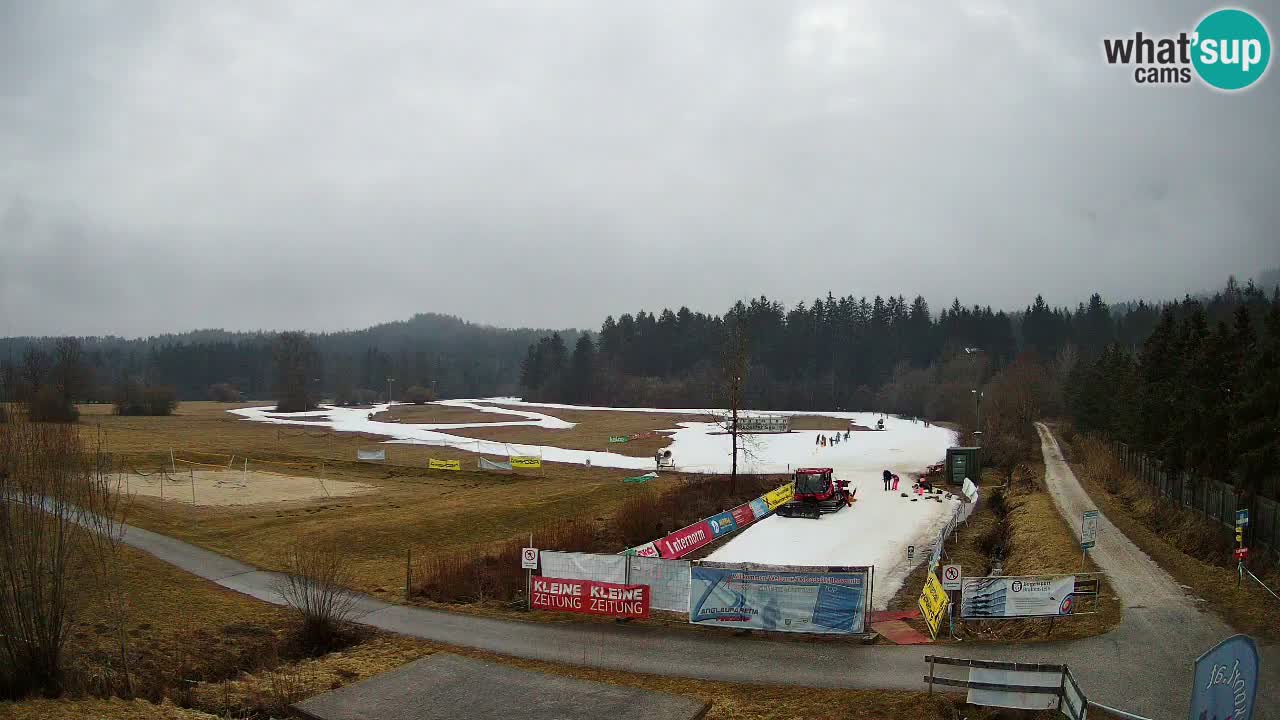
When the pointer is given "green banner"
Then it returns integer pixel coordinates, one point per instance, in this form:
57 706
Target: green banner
619 438
641 478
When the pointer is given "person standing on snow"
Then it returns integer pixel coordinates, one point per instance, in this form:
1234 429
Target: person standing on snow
888 479
895 481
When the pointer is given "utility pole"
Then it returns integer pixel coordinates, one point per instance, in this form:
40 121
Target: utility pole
389 381
977 414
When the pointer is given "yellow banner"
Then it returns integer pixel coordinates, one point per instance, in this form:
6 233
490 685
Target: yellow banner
526 461
933 604
435 464
777 498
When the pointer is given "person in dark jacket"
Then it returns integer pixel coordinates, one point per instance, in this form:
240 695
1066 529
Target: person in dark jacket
888 479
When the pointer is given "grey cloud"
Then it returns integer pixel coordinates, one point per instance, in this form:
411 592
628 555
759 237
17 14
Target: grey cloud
328 165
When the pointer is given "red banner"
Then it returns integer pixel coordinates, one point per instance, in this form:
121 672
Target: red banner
589 597
682 542
742 515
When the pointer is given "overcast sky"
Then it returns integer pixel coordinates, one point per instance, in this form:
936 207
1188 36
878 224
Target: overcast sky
172 165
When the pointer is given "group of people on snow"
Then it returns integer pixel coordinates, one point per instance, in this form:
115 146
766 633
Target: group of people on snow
823 441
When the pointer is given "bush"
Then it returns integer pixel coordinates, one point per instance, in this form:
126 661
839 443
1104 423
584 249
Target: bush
315 585
418 395
224 392
133 398
47 404
364 396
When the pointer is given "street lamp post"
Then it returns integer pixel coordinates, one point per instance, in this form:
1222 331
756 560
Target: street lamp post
389 381
977 413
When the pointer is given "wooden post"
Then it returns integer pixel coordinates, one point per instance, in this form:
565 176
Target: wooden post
193 487
172 465
930 674
408 572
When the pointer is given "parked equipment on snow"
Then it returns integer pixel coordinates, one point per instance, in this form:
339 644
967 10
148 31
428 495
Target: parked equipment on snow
816 492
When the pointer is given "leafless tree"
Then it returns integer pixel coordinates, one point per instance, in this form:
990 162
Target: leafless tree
315 585
56 498
735 362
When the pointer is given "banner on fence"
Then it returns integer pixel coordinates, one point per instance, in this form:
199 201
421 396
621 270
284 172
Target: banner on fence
667 580
619 438
648 549
525 461
589 597
722 524
491 465
759 508
970 490
786 599
434 464
779 497
685 540
933 603
743 515
371 454
584 566
1017 597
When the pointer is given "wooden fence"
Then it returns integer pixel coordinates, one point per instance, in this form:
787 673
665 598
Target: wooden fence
1216 501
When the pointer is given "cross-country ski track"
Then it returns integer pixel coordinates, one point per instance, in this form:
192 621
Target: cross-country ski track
1143 666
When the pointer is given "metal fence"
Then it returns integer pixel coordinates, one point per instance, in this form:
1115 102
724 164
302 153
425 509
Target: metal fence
668 580
1215 501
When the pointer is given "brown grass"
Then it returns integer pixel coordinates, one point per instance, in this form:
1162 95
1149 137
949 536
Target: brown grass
592 431
1023 525
1196 553
440 414
819 422
432 512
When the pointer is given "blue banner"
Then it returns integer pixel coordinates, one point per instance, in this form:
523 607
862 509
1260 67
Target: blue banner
829 602
760 508
722 524
1226 681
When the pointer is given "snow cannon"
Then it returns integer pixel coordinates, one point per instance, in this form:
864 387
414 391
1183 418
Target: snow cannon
662 458
816 492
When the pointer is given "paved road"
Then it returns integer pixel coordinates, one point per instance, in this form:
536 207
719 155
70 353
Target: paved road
1144 666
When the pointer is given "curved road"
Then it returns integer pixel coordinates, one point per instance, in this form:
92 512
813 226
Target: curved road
1144 666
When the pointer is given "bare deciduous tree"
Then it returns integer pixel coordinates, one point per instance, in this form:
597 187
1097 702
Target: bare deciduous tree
55 500
315 585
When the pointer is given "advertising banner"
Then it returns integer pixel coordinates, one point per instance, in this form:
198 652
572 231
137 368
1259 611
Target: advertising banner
777 498
743 515
648 550
1015 597
526 461
584 566
668 582
434 464
722 524
933 604
759 508
490 465
619 438
1089 529
684 541
786 599
1226 680
371 454
588 597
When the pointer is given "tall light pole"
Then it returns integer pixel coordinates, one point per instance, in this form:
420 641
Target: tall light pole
977 415
389 381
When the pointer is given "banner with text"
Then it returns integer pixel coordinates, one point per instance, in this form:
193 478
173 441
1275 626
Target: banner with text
685 540
1017 597
786 599
526 461
434 464
584 566
777 498
590 598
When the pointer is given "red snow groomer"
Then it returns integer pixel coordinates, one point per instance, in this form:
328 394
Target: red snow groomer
816 492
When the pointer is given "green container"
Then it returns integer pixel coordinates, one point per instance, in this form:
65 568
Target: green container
962 462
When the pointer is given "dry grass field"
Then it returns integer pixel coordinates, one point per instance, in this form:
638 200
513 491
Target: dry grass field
409 506
593 430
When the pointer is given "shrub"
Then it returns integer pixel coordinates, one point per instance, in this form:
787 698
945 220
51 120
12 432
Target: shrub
133 398
224 392
418 395
364 396
315 586
48 404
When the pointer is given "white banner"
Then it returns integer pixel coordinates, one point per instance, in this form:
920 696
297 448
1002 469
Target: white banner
371 454
1051 681
668 582
1016 597
586 566
970 490
490 465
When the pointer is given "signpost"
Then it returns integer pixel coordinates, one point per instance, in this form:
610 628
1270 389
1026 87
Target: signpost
1088 535
911 552
529 562
1242 552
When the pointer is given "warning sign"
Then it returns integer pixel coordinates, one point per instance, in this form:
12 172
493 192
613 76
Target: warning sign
529 559
951 577
933 604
